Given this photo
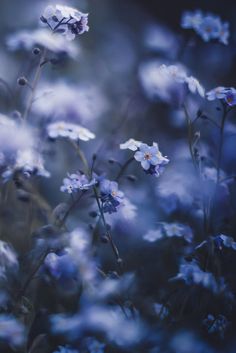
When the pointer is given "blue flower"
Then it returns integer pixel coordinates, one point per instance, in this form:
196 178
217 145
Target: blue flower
228 94
151 159
111 196
94 346
11 330
66 349
209 26
75 182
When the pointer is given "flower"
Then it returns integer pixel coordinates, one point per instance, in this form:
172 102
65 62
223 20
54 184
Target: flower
28 40
94 346
225 240
194 86
191 19
8 259
111 196
11 330
208 26
228 94
151 159
75 182
65 20
68 130
216 93
216 324
169 230
131 144
65 349
191 273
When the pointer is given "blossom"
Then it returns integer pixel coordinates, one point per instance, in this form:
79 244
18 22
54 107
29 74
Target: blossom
151 159
194 86
216 93
216 324
131 144
29 39
208 27
65 20
8 259
11 330
227 94
191 273
94 346
225 240
61 265
75 182
169 230
69 130
111 196
70 102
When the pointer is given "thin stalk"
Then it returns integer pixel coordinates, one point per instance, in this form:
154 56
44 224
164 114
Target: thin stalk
34 85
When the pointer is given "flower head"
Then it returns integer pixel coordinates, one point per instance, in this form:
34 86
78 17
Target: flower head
68 130
131 144
111 196
227 94
65 20
208 27
75 182
151 159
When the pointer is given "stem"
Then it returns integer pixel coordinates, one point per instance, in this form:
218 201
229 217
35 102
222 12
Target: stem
32 274
34 85
72 206
124 167
88 173
222 126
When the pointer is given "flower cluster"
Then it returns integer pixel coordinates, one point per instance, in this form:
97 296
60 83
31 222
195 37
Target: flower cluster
208 26
65 20
71 131
77 181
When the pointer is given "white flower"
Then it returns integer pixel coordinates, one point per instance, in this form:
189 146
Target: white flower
27 40
30 162
69 130
131 144
194 86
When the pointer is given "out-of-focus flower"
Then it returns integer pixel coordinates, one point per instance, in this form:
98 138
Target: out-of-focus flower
227 94
216 324
30 162
161 311
11 330
70 102
169 230
28 40
103 319
94 346
65 20
194 86
161 39
8 259
75 182
191 273
208 26
61 266
68 130
168 83
151 159
226 241
131 144
111 196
